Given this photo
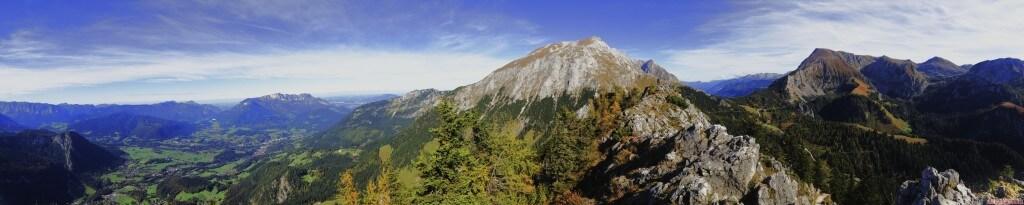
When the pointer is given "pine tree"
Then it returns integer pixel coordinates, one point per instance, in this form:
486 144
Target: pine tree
562 154
347 192
451 175
510 166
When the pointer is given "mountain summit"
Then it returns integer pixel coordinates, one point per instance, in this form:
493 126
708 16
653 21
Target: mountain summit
826 71
940 67
564 68
1003 70
276 109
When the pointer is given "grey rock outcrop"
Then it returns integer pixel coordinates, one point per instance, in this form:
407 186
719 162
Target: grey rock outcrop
936 187
677 156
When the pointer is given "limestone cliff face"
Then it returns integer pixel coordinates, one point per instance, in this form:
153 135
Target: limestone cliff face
414 103
564 68
677 156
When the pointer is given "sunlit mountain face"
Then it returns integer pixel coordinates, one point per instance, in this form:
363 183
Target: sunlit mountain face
520 102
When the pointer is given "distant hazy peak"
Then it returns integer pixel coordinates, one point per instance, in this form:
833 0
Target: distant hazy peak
305 99
938 67
938 60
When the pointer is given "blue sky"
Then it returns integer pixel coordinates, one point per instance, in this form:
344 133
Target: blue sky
81 51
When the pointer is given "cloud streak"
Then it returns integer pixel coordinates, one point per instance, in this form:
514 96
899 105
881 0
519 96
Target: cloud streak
770 36
386 70
360 45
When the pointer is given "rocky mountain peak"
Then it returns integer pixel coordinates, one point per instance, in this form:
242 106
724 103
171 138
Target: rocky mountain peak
281 103
291 97
561 68
827 71
650 67
825 56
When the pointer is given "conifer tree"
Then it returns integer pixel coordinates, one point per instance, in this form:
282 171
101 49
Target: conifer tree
451 174
347 192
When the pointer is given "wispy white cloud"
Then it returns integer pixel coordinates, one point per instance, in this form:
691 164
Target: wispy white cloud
353 45
382 69
772 36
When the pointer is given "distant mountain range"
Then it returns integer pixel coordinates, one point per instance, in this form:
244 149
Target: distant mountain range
9 125
735 87
898 96
300 110
278 110
38 115
353 101
120 126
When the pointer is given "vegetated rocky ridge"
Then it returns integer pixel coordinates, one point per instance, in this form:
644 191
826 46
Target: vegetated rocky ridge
9 125
937 67
896 78
835 72
35 115
38 166
677 156
736 87
1004 71
120 126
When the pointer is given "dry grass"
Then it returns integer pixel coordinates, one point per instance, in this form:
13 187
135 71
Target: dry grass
862 88
1010 105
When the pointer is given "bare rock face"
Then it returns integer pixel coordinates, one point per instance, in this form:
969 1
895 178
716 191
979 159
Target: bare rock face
564 68
650 67
414 103
780 188
936 187
678 157
283 189
826 71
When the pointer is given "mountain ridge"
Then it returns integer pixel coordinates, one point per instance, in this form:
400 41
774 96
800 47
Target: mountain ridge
738 86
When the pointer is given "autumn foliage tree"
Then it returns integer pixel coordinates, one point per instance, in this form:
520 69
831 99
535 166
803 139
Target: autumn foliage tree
347 192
